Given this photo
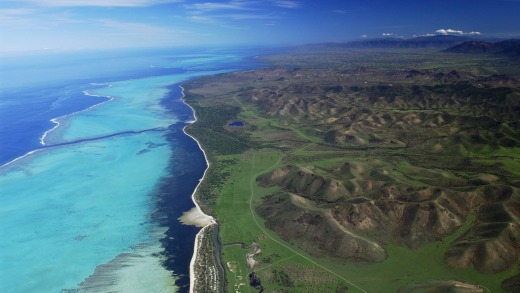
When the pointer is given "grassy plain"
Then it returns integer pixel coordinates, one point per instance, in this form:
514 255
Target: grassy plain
410 154
240 224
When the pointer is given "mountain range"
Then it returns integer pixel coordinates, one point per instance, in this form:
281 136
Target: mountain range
508 47
447 43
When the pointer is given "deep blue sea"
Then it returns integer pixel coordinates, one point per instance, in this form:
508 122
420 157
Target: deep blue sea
96 170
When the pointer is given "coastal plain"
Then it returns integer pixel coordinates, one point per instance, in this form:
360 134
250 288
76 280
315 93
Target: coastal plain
340 170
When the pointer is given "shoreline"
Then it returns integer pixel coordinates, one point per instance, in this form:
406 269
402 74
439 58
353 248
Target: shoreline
200 234
200 147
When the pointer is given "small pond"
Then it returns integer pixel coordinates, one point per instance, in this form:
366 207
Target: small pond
237 123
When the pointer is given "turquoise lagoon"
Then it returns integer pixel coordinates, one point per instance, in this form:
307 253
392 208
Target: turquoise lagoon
80 214
134 106
71 209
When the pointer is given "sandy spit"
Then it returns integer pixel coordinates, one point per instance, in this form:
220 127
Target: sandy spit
196 216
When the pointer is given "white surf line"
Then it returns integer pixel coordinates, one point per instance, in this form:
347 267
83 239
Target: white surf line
279 242
212 221
57 122
19 158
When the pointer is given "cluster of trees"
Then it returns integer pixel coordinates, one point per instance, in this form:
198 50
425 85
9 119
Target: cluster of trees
209 130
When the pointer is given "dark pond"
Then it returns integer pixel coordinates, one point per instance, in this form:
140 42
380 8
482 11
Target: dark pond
237 123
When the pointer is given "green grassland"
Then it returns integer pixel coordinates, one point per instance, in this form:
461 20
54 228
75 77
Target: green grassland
421 163
403 266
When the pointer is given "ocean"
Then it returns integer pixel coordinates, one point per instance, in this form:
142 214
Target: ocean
96 170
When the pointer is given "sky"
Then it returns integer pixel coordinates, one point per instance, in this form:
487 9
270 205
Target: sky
27 25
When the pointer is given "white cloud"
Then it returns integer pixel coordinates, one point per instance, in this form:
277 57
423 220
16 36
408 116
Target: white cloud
138 28
219 18
241 14
14 17
210 6
103 3
15 11
455 32
22 18
287 4
203 19
448 32
240 5
235 21
387 34
363 36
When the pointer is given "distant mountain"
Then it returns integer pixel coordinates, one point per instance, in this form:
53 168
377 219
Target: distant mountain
447 43
507 47
473 47
508 43
440 41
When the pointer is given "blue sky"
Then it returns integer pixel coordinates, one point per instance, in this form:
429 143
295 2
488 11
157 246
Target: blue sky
84 24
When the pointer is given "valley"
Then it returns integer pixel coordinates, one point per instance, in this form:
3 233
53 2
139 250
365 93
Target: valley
365 170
